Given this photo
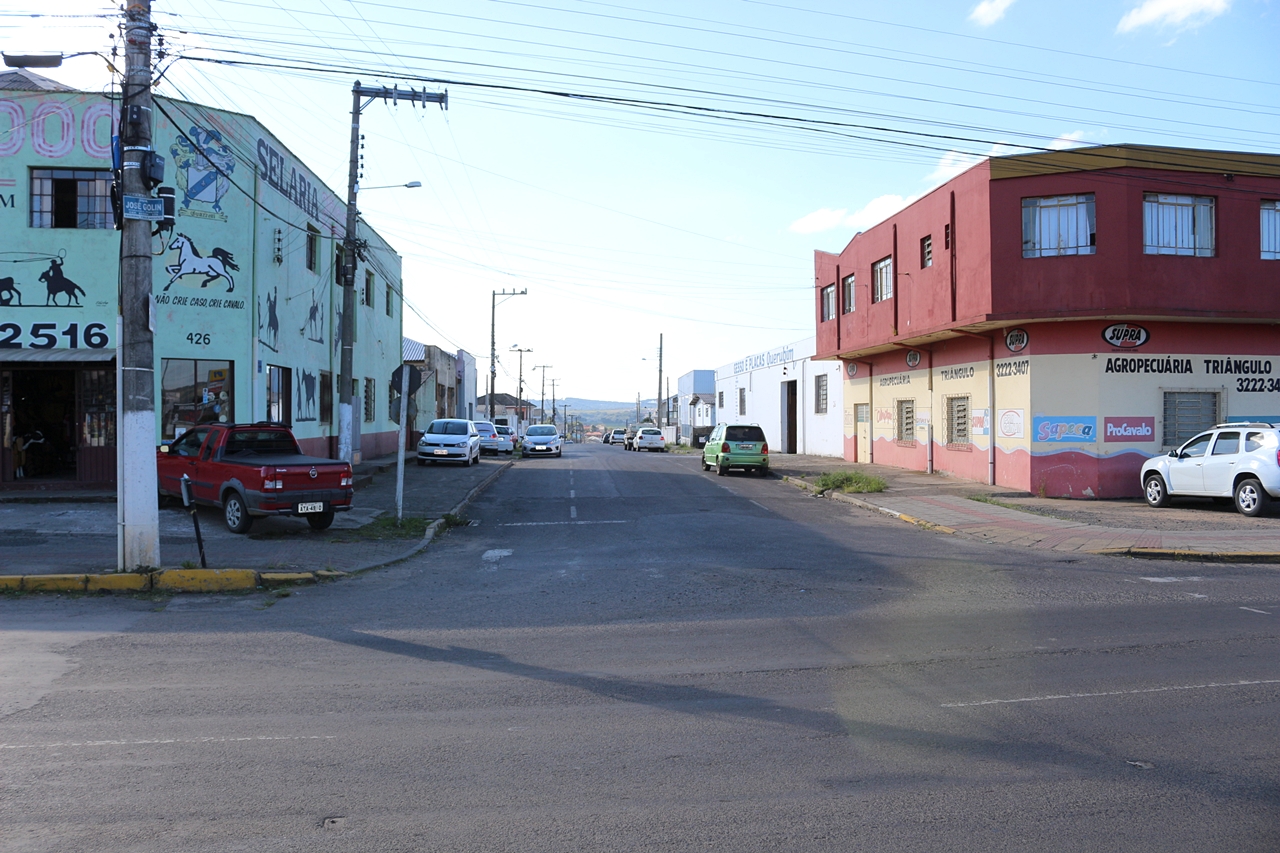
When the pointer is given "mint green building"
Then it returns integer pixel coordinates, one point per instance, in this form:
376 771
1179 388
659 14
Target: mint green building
247 306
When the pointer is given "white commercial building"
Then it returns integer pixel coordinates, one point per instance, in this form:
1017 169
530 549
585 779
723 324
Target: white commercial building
799 403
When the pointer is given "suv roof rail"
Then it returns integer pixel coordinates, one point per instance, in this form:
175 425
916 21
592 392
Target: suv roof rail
1244 424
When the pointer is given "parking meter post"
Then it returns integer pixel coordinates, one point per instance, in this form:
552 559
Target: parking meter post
404 419
188 500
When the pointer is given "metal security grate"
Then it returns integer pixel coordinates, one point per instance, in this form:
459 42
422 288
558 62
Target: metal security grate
958 420
1188 413
906 423
820 394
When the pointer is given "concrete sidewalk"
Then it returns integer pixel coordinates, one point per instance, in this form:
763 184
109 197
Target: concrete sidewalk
65 535
1198 529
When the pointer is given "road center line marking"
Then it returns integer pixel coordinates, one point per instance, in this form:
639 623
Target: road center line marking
1111 693
572 493
553 523
573 512
159 741
1255 610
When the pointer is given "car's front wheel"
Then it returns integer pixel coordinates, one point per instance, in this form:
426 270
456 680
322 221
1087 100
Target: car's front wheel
1251 498
1155 491
705 466
236 514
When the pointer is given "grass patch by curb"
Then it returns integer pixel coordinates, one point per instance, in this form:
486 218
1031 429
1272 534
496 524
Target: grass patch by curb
385 527
987 499
850 482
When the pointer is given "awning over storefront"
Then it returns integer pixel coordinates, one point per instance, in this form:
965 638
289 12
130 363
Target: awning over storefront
51 356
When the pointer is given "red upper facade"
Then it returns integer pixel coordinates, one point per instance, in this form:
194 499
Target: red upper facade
1092 220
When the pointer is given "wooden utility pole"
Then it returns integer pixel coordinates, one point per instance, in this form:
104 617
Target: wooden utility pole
138 536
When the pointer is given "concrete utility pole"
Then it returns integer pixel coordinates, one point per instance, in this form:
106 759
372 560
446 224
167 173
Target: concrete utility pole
658 408
348 426
553 400
493 345
542 404
139 516
520 385
566 421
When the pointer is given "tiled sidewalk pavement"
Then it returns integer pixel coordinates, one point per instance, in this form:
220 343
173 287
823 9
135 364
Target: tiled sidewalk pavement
1087 526
69 536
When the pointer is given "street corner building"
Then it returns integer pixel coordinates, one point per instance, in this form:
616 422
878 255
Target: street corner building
247 312
1049 321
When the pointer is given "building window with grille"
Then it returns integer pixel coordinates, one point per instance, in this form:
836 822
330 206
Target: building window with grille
313 248
719 399
958 420
820 394
904 427
1059 225
71 198
366 298
882 280
279 394
848 293
1189 413
828 303
1177 225
742 402
390 301
926 251
946 236
1271 230
370 400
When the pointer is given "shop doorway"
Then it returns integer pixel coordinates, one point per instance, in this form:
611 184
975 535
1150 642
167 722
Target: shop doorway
789 402
42 436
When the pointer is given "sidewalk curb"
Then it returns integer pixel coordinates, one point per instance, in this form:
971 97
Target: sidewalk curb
1184 555
434 528
867 505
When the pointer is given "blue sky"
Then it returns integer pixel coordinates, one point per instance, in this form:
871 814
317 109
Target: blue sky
718 145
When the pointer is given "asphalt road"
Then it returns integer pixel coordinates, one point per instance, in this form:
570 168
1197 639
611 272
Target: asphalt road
628 654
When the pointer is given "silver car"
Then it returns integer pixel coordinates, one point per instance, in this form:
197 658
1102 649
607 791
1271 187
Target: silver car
542 440
1240 461
493 439
449 440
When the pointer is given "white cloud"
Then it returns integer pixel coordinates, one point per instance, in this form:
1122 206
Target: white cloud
988 12
820 220
1185 14
877 210
1074 139
951 164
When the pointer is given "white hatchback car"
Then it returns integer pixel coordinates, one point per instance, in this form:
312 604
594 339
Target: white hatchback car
649 438
1240 461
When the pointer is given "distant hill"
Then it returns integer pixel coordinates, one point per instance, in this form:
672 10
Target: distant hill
607 413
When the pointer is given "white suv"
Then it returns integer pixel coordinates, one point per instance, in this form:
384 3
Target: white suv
1240 461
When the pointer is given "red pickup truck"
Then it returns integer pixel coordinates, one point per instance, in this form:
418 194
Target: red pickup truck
251 470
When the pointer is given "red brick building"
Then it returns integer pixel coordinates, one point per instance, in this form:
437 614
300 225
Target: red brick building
1048 321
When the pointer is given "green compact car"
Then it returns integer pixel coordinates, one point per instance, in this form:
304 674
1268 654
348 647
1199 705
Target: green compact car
736 446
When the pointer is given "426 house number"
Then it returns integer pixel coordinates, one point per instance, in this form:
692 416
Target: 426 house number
47 335
199 338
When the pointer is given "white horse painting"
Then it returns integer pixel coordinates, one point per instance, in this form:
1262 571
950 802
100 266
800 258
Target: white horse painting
191 263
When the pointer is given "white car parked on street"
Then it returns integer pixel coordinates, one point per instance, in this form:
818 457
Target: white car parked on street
650 439
1240 461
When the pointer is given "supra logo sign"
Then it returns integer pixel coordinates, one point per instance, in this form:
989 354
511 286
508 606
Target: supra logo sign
1125 335
1016 340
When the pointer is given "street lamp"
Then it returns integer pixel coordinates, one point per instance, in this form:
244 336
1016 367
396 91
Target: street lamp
411 185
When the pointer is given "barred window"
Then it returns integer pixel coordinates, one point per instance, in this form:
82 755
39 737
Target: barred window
828 303
390 301
1189 413
1058 225
742 401
366 298
820 394
905 425
71 198
719 399
882 279
280 394
370 400
958 420
326 397
848 285
1270 230
313 248
926 251
1177 225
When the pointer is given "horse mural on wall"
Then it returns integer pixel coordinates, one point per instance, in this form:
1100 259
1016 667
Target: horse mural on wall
190 262
9 291
55 282
314 327
273 321
306 395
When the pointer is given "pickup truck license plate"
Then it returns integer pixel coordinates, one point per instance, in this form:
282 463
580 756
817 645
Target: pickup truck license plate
440 451
312 507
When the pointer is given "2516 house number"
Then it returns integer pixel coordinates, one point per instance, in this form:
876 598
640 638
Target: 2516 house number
47 335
